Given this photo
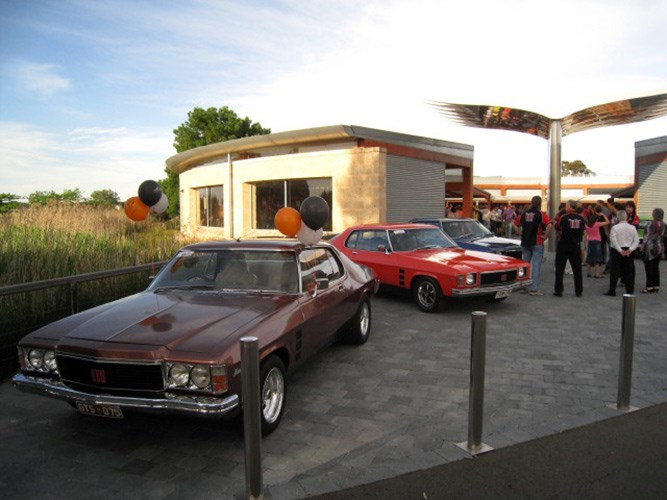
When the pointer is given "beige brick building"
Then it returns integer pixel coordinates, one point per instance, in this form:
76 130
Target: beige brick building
234 188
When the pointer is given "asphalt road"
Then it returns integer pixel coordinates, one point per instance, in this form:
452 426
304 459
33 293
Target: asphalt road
398 405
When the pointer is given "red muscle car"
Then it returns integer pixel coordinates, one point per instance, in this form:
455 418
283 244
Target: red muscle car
175 347
422 259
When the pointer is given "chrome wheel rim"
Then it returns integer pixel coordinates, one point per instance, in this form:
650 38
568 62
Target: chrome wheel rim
426 294
273 395
364 319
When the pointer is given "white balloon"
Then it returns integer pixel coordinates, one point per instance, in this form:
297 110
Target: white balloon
307 236
161 205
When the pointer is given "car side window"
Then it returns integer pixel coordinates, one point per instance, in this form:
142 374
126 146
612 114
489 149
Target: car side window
318 263
369 240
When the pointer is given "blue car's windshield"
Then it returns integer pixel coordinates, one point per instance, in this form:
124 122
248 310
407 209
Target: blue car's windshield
406 240
465 229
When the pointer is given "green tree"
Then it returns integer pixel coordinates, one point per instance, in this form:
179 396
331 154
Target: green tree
8 202
44 197
204 127
576 168
104 198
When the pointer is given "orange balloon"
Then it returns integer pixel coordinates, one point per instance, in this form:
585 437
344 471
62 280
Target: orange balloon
135 209
288 221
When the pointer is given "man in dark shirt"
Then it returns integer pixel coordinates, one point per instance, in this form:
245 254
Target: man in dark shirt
571 227
534 226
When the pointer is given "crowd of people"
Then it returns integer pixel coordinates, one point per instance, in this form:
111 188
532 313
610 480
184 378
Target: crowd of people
601 238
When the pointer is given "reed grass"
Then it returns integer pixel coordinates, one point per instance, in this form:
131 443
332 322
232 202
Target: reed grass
59 240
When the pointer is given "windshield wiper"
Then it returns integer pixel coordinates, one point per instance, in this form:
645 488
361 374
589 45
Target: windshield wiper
162 289
427 247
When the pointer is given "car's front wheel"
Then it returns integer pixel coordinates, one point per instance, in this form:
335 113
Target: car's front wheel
273 392
360 326
428 295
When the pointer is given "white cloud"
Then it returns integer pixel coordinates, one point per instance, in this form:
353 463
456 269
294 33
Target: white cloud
93 159
41 78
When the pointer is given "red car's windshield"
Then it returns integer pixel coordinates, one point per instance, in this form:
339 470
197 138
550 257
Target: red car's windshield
406 240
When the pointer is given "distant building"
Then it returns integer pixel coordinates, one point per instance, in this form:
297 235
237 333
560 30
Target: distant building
650 186
519 190
235 188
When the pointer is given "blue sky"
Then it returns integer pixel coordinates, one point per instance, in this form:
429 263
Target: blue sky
90 91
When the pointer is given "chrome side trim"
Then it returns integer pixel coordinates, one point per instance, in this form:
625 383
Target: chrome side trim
202 406
489 290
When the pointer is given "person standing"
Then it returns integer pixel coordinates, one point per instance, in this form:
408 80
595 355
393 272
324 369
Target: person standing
653 247
623 240
594 231
510 215
534 226
571 228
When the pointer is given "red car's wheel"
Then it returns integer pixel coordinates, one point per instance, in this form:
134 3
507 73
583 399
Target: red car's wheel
427 294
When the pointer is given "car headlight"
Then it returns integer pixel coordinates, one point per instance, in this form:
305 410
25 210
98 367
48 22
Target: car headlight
50 361
36 358
522 272
201 376
470 279
179 375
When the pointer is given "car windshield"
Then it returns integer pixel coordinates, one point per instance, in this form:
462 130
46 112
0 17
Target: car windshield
223 270
465 229
406 240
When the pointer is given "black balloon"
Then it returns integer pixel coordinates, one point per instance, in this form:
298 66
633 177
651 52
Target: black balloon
150 193
314 212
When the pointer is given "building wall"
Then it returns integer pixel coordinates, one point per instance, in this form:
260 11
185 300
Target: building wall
415 188
358 183
651 175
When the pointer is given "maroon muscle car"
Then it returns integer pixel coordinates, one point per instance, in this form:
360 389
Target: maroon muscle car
175 347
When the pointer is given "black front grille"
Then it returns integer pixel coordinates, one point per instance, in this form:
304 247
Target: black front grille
517 254
109 376
498 278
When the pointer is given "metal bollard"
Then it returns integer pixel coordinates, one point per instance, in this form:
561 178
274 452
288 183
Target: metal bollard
474 445
252 425
627 346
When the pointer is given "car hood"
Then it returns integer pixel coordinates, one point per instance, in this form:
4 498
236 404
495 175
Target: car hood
191 322
492 242
464 260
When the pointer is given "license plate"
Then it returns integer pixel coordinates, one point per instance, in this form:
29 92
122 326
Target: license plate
107 411
502 294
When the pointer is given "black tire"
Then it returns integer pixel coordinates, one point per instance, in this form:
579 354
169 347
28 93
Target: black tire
273 393
359 328
427 294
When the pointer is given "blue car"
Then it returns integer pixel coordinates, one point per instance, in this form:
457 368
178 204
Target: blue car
472 235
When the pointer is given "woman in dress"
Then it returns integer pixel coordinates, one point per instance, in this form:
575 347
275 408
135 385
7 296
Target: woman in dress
653 248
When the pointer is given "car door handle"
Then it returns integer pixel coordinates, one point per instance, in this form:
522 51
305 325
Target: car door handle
355 253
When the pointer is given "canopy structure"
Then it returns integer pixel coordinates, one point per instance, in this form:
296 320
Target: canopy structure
554 129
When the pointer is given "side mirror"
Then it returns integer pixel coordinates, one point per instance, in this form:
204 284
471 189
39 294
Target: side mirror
322 283
382 248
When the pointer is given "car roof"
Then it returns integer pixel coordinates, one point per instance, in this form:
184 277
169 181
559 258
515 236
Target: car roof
389 225
263 244
444 219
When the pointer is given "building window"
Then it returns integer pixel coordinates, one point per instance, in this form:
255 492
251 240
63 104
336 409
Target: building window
271 196
211 209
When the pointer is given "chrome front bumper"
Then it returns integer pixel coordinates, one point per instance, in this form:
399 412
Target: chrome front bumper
491 290
201 406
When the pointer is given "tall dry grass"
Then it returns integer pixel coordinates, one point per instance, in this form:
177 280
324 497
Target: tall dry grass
59 240
38 243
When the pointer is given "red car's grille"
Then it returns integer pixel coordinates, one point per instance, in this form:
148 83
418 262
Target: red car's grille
498 277
94 376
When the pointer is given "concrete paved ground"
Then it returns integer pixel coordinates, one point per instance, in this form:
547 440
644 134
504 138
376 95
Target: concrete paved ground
356 415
